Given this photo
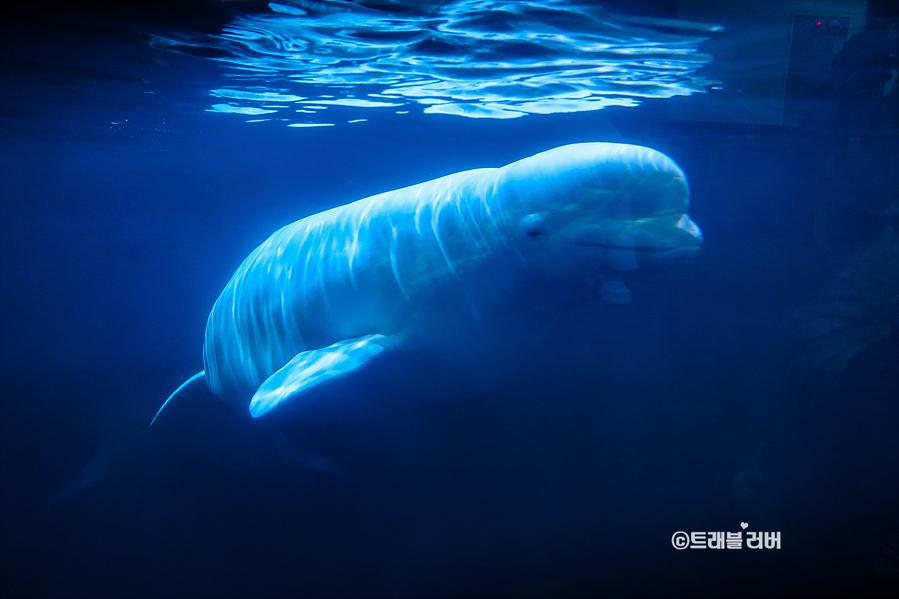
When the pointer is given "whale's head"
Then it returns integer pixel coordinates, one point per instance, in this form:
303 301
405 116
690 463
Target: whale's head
598 210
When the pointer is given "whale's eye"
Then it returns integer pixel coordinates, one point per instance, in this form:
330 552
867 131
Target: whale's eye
531 225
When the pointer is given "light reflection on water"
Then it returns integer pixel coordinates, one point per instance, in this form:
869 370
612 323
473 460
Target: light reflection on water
473 58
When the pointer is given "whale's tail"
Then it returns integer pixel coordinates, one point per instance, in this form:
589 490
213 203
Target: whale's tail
97 468
200 376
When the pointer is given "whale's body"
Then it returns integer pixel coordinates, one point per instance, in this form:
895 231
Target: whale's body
442 288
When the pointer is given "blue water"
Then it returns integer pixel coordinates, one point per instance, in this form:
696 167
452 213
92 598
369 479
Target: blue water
146 150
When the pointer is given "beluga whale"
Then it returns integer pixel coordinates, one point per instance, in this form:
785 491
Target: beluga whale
439 290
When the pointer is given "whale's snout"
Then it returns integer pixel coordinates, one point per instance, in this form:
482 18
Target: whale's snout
686 238
666 235
686 224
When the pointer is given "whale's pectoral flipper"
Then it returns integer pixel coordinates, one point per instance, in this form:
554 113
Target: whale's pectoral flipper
310 368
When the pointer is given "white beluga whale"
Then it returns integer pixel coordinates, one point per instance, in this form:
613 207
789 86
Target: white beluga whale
440 289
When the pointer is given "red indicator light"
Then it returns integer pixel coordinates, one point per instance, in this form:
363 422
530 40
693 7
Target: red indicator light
818 24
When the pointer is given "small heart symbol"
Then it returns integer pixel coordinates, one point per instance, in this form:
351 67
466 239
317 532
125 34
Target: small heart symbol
743 525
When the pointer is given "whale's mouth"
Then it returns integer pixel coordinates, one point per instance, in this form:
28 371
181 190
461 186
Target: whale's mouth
672 234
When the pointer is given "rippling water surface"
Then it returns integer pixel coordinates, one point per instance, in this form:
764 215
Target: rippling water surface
473 58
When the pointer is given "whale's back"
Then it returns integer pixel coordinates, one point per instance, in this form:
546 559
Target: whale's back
354 270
